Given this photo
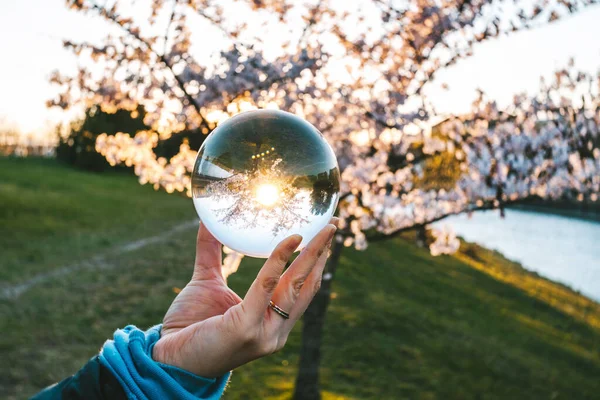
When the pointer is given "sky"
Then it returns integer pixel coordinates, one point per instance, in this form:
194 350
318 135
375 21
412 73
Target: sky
33 30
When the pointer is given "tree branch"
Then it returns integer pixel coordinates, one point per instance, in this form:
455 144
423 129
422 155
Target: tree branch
115 18
311 22
166 38
380 237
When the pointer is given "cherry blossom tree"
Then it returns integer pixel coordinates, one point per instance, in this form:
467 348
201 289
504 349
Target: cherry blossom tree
358 72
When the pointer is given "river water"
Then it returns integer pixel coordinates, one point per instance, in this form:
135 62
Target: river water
563 249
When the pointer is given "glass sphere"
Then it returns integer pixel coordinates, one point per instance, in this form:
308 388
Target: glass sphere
262 176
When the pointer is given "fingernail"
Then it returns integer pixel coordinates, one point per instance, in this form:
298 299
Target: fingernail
332 229
295 241
335 221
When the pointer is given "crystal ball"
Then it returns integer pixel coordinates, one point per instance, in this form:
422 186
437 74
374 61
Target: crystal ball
262 176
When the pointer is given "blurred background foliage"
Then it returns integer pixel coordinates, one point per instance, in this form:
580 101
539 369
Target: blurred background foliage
77 147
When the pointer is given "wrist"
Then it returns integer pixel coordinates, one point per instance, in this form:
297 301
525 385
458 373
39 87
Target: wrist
161 354
164 352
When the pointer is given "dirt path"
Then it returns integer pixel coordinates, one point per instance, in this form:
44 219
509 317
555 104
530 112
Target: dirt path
96 262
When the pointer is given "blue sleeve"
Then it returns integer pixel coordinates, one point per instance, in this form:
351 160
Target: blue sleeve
92 382
129 358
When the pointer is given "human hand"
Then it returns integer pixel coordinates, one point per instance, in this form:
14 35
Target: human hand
213 338
207 293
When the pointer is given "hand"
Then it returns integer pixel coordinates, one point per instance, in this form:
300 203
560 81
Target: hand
209 336
207 294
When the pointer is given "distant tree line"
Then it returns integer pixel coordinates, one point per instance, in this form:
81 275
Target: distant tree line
15 143
77 147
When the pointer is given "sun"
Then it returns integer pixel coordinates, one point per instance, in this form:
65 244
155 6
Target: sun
266 194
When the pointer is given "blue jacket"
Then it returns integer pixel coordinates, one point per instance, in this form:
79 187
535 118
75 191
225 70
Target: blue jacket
124 369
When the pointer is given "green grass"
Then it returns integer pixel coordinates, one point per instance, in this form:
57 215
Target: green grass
51 215
402 324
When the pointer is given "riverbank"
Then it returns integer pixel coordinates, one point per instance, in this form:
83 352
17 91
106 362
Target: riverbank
558 247
402 324
588 211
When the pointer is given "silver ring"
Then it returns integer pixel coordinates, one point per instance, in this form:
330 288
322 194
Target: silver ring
278 310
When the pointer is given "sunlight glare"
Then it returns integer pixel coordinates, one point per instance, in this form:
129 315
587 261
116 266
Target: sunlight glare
267 194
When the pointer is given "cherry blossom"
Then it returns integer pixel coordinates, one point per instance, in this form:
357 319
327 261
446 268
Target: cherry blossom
445 242
357 71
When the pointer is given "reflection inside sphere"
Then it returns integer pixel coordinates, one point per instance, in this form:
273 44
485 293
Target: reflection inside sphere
266 194
262 176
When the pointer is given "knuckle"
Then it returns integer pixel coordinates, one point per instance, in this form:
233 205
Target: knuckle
312 252
249 336
297 287
273 346
318 285
281 257
270 283
268 347
321 251
281 343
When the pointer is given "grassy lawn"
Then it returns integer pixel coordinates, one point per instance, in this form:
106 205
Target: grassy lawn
52 215
402 324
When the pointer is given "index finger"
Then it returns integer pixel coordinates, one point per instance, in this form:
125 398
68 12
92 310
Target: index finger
257 299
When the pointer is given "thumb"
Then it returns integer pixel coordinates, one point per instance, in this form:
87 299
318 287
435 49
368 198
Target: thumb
208 255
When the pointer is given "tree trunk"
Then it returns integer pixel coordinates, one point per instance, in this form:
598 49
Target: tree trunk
307 381
421 236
